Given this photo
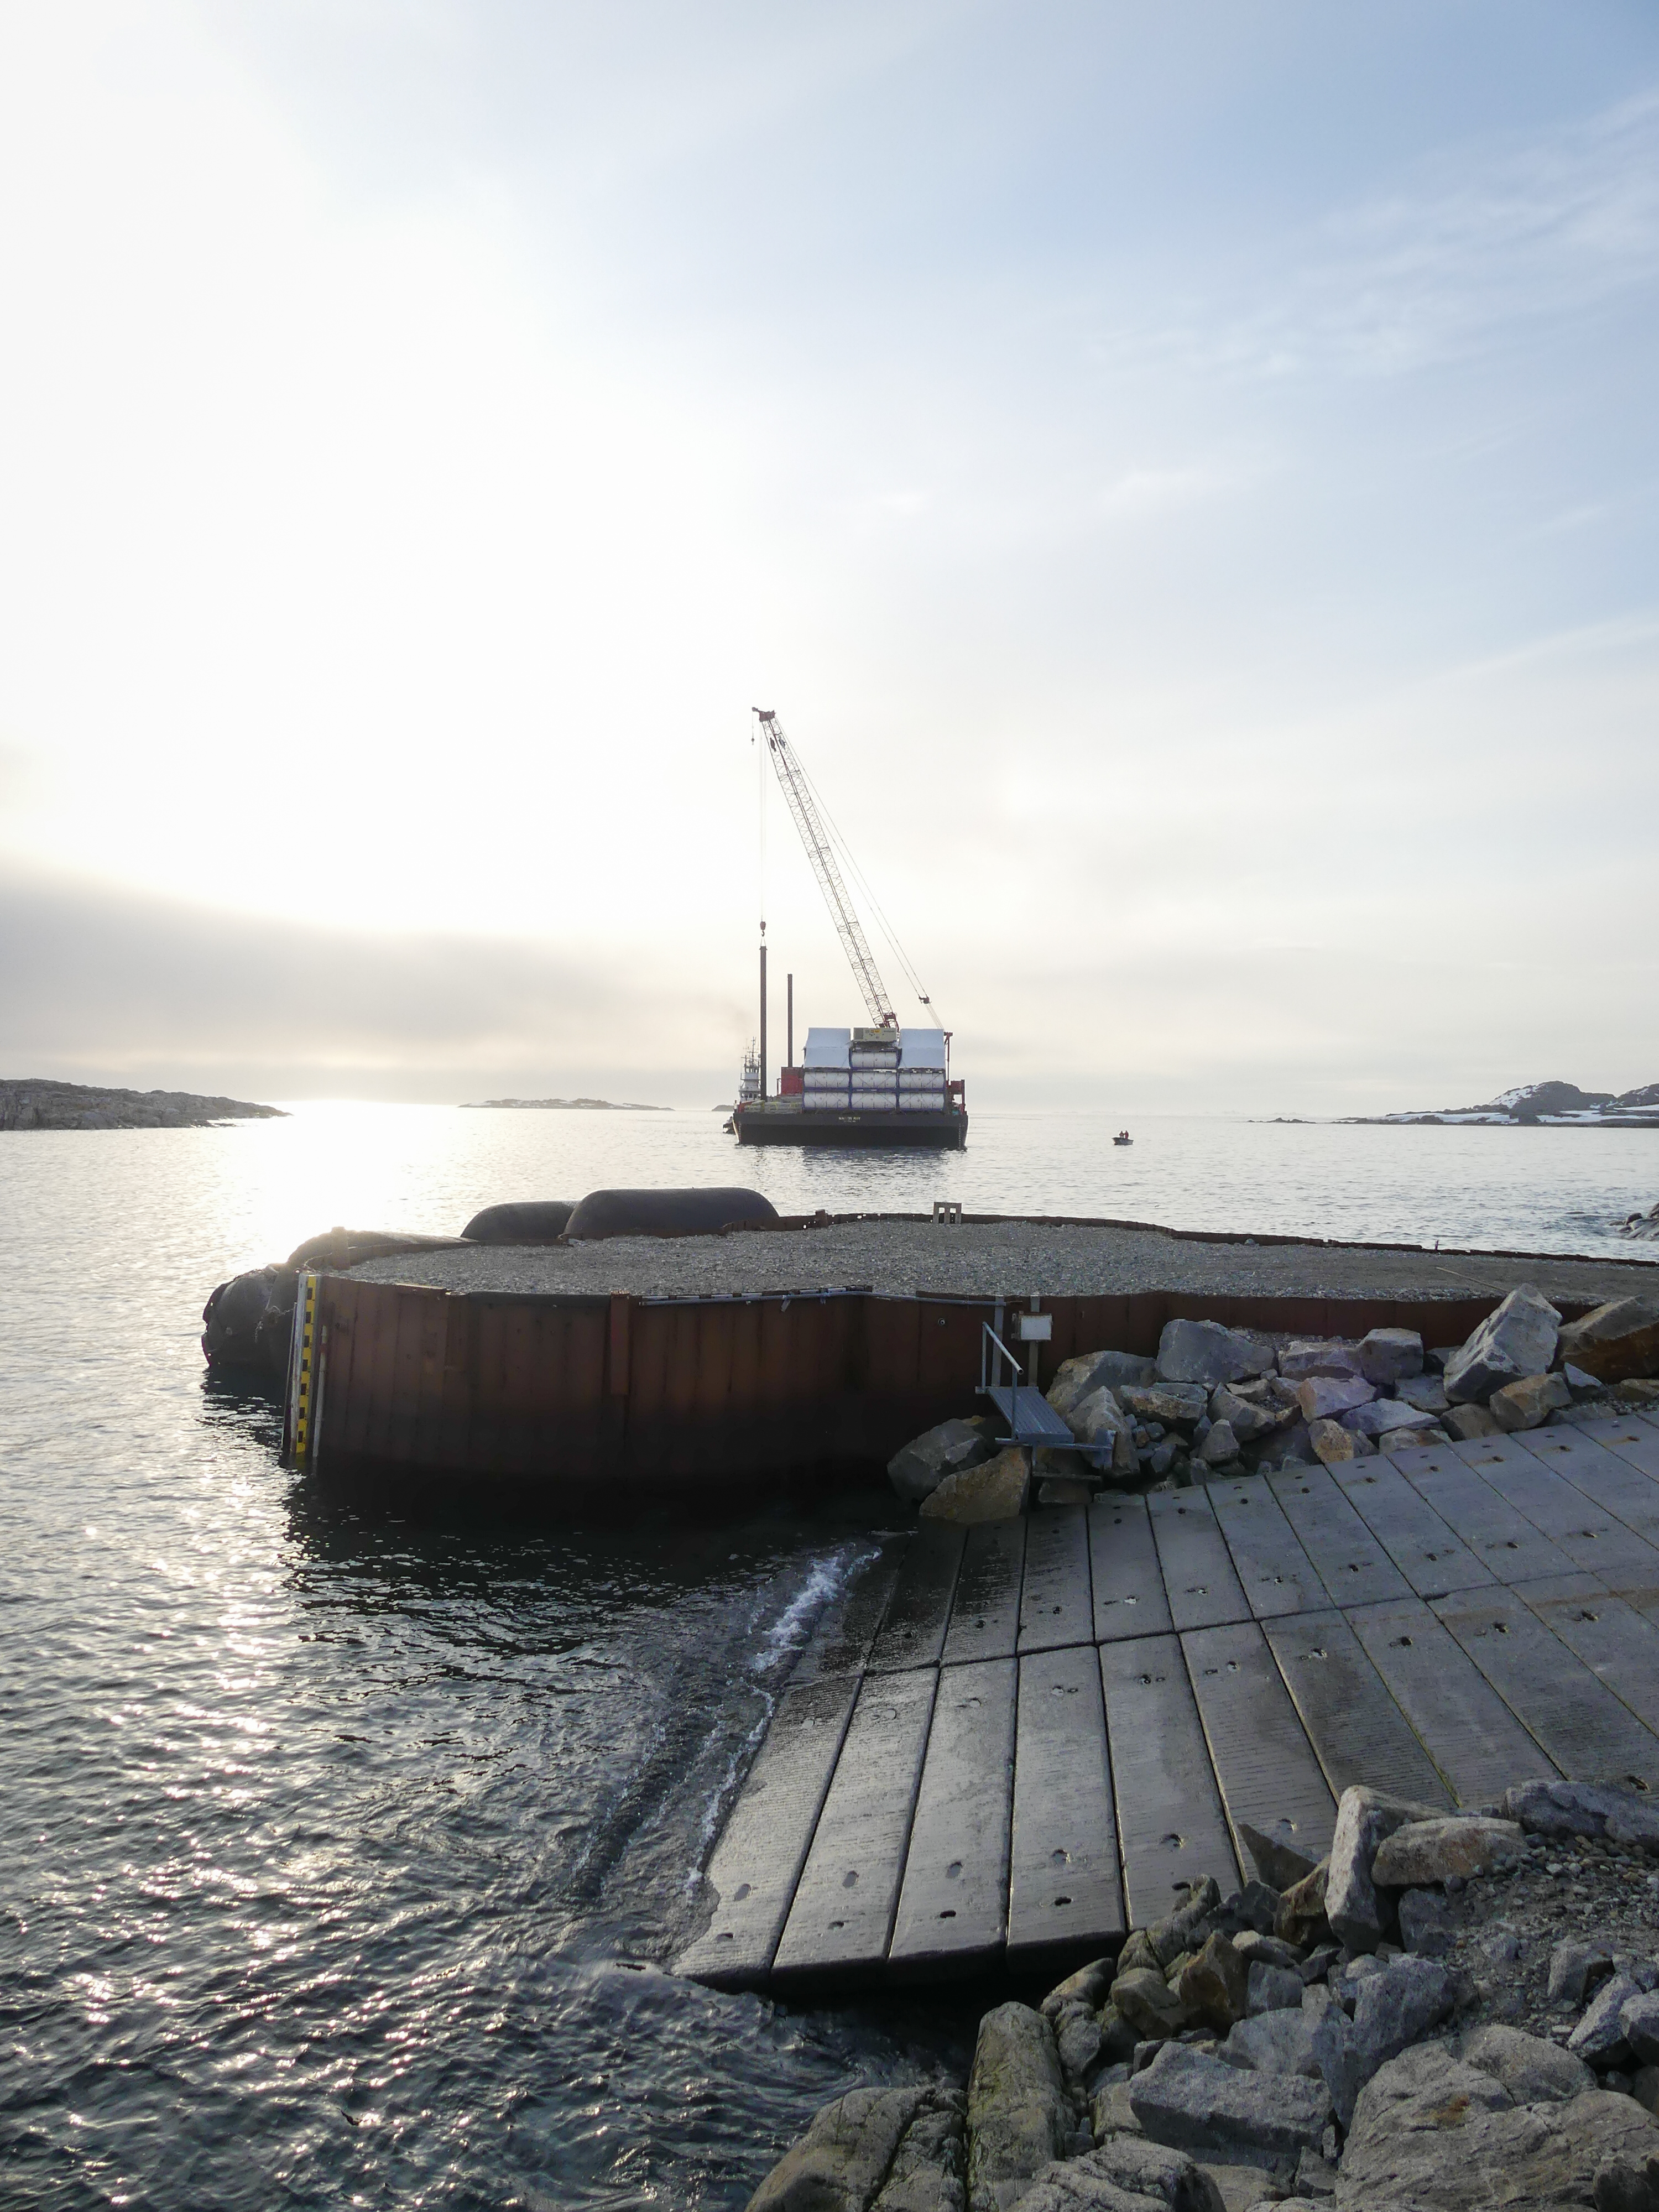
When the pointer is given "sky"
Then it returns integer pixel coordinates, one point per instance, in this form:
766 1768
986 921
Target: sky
1185 476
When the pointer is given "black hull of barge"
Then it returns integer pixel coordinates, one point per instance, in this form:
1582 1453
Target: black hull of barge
937 1133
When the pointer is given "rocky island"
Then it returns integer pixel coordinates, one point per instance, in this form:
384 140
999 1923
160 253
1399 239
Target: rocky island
37 1102
1561 1105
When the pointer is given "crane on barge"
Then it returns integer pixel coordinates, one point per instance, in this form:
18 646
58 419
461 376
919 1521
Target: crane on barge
883 1084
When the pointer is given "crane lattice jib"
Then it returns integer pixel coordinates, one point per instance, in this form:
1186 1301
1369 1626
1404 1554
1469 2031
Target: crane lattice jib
820 853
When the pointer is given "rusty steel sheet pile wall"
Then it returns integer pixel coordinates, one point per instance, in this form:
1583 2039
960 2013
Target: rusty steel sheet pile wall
557 1393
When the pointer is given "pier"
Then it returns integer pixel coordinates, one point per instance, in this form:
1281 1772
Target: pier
1009 1744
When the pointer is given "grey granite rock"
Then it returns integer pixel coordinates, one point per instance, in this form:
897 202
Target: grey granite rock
1639 2019
1363 1818
1575 1970
1205 1351
1195 2102
1388 1356
1610 1811
1534 2070
1599 2038
1278 1862
1517 1339
1394 2007
1426 1922
918 1470
1087 1986
1124 2173
841 2161
1273 1989
1279 2042
1020 2117
929 2168
1435 2135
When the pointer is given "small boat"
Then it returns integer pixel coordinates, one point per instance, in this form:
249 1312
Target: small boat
1123 1138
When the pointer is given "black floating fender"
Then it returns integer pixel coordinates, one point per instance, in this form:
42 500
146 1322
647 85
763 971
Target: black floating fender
667 1212
536 1221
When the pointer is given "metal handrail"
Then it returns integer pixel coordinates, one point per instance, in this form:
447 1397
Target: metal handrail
986 1330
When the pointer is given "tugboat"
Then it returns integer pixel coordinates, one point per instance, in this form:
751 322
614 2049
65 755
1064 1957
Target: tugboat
878 1086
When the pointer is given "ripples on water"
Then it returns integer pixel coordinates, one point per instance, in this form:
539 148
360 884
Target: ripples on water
340 1853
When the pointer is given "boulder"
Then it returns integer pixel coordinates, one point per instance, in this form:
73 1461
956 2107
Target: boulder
1617 1342
995 1491
1425 1923
1091 1371
1247 1417
1273 1989
1425 1851
1385 1417
1259 1947
1279 1863
929 2169
1087 1986
1220 1446
1326 1356
1186 1927
1301 1918
1020 2117
1125 2174
1104 1432
1609 1811
1388 1356
1518 1338
1577 1969
1426 1392
841 2163
1177 1404
1214 1986
1204 1352
1195 2102
917 1470
1599 2038
1528 1403
1280 2042
1395 2006
1466 1423
1582 1386
1640 2020
1322 1396
1078 2042
1148 2003
1363 1818
1436 2135
1333 1445
1533 2070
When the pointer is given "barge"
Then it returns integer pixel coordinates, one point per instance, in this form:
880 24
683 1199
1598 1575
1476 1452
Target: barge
881 1086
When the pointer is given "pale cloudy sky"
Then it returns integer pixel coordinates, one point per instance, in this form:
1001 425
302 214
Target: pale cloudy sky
1185 474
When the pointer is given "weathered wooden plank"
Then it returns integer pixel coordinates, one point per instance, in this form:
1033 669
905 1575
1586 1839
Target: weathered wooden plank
1172 1828
1274 1573
1349 1712
1607 1480
1352 1565
1263 1760
758 1859
1618 1644
919 1611
1056 1605
953 1904
1592 1538
841 1643
1433 1558
1584 1728
1130 1599
1502 1538
985 1612
839 1925
1064 1889
1467 1729
1199 1578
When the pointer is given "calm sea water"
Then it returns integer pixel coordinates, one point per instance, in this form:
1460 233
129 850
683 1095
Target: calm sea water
341 1856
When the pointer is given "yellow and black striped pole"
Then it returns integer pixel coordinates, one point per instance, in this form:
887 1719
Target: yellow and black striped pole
305 1367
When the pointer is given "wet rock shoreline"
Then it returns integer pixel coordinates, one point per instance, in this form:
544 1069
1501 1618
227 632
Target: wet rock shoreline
1449 2010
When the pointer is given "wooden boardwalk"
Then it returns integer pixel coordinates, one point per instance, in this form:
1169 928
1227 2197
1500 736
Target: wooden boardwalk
1011 1743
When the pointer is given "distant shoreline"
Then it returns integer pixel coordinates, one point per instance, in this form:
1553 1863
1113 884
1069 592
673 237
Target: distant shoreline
565 1105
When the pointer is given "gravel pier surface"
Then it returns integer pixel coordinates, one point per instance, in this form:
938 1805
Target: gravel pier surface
1011 1258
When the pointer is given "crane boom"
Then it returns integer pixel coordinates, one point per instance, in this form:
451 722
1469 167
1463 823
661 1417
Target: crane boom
821 854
